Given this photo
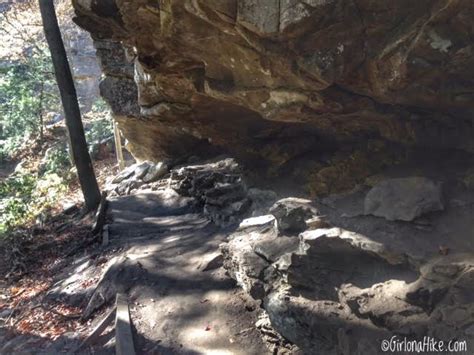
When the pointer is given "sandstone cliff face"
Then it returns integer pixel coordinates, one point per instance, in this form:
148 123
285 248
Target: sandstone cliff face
81 54
325 91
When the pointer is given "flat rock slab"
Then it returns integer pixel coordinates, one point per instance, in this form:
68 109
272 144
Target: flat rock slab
403 199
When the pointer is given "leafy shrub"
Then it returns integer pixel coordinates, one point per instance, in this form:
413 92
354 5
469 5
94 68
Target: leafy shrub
27 92
56 160
18 186
8 147
99 123
15 192
99 130
100 107
24 196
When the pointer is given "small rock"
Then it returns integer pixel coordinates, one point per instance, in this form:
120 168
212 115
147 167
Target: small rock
321 232
127 186
316 223
215 263
141 170
124 174
283 263
262 322
224 193
5 313
292 214
261 221
155 172
403 199
218 186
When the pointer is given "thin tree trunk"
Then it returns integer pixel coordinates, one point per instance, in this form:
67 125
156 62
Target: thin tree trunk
40 113
118 146
82 160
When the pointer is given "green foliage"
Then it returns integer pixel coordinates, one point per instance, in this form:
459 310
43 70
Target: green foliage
100 107
56 160
24 196
27 90
29 94
8 146
17 186
14 195
98 130
99 126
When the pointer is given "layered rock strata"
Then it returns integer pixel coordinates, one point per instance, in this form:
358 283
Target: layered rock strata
324 92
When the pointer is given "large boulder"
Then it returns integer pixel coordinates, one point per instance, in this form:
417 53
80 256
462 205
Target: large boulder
404 199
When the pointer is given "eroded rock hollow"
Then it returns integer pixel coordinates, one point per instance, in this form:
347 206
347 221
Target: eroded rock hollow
324 92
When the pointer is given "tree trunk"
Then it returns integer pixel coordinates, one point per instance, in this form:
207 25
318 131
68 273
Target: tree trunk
40 113
82 160
118 146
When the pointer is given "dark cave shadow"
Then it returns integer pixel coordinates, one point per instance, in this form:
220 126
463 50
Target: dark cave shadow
319 275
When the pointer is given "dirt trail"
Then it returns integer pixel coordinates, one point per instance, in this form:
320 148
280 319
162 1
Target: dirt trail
163 254
178 307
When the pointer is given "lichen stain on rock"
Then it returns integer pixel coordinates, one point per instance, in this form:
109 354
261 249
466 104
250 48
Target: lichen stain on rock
255 79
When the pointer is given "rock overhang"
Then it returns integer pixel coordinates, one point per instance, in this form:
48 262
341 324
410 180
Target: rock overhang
285 84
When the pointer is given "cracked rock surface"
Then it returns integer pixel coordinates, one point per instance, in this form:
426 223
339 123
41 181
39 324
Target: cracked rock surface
343 287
